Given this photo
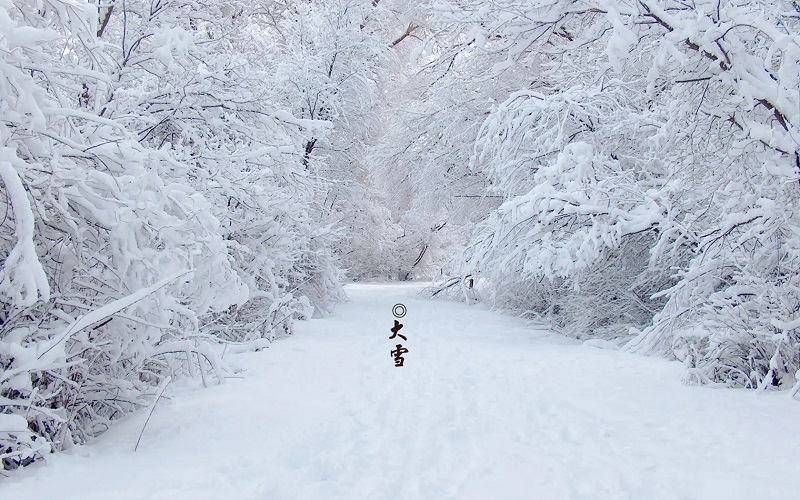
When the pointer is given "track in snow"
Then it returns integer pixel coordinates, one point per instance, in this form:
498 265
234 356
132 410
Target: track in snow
486 407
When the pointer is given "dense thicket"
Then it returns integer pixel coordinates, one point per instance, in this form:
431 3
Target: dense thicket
647 162
162 194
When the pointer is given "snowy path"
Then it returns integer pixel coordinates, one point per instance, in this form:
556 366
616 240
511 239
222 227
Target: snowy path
485 408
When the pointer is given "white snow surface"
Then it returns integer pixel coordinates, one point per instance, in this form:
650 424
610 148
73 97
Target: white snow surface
486 406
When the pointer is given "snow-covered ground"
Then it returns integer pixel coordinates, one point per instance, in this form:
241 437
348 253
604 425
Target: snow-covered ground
486 407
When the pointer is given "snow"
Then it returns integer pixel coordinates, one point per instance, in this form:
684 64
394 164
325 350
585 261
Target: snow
12 423
486 406
22 278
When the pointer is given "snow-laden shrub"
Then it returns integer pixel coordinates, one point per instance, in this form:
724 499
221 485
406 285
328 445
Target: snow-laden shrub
732 316
204 99
657 151
107 262
151 208
575 247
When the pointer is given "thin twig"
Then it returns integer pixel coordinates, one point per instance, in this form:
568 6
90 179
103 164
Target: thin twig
161 388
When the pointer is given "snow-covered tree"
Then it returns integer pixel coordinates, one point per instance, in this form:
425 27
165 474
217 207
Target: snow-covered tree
326 59
430 114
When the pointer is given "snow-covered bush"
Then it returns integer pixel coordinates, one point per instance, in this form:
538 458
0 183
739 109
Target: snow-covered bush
203 95
650 169
154 203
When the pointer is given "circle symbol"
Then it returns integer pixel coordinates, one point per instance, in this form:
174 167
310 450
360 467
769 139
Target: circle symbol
399 310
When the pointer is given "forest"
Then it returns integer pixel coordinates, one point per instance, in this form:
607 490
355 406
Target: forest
182 178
